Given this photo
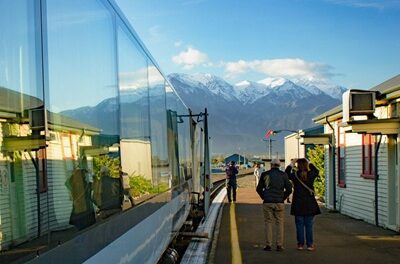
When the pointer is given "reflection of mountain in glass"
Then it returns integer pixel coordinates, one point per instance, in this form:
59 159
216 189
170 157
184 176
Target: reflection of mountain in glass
104 115
15 102
24 109
133 113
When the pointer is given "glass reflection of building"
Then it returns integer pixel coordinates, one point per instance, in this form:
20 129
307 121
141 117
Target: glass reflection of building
89 126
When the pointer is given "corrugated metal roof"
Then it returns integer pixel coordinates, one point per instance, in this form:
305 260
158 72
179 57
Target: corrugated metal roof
388 86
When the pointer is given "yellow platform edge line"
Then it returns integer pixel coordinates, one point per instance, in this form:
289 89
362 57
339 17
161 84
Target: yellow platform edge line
235 248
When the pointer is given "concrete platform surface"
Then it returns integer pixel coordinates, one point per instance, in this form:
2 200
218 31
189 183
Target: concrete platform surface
338 239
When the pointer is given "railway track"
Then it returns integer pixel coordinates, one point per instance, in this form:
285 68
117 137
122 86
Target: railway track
220 182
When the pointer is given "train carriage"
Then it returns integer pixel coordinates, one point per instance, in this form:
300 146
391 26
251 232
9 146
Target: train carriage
100 159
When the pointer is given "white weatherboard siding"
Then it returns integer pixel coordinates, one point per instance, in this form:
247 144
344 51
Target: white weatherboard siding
328 175
30 195
61 200
5 213
357 199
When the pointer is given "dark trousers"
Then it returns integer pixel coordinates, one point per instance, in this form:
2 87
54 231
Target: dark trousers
231 189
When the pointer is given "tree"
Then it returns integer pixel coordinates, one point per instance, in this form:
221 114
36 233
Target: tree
316 157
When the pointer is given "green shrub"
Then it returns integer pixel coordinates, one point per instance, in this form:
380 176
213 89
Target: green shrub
316 157
141 186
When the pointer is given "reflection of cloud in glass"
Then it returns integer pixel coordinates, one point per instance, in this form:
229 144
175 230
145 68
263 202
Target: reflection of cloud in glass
155 76
75 18
168 89
140 78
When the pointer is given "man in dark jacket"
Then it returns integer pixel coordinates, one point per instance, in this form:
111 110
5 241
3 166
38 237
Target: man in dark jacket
274 187
231 172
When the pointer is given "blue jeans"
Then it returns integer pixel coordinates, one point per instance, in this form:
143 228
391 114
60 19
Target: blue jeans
304 223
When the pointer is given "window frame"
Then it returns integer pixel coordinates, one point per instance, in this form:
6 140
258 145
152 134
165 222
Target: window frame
368 152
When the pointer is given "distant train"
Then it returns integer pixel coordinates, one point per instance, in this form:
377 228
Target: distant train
100 160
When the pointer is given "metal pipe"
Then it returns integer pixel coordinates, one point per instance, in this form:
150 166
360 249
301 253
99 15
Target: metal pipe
333 148
36 165
376 180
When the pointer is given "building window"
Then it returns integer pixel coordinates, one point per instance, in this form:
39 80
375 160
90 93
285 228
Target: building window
368 156
66 147
341 157
394 110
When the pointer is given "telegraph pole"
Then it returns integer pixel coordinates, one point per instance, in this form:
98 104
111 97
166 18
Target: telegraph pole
269 142
270 148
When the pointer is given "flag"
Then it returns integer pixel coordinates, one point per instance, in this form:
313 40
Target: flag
269 133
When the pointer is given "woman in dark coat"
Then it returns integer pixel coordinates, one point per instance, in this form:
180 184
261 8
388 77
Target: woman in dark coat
304 205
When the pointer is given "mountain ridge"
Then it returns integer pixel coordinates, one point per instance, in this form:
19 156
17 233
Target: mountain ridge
274 103
239 114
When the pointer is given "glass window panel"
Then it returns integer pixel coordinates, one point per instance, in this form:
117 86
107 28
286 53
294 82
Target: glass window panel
19 62
134 116
185 160
172 133
83 148
158 117
21 129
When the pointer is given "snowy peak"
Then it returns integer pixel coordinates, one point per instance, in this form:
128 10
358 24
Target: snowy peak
209 82
273 82
248 92
318 87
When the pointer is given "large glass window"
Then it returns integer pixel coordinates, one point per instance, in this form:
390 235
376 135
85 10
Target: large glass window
83 152
179 124
185 155
138 147
22 186
19 46
158 117
172 134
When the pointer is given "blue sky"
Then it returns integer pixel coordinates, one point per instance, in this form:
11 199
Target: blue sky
354 43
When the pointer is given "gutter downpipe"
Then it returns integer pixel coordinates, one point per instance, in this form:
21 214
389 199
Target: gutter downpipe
333 163
376 180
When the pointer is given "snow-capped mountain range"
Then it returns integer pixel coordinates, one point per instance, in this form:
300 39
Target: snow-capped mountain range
248 92
241 113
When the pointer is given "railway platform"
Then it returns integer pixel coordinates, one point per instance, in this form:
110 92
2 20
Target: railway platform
239 238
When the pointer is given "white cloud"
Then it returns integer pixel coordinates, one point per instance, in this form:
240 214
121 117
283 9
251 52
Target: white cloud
178 44
190 58
288 68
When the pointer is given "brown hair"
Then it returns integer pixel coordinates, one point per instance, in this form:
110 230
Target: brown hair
304 168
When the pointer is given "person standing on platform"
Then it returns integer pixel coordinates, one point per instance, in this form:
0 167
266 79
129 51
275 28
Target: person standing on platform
304 205
257 173
274 187
231 185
